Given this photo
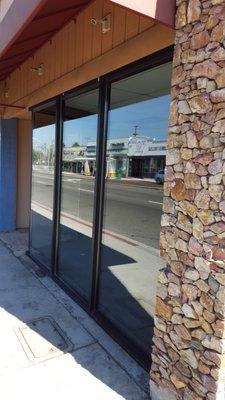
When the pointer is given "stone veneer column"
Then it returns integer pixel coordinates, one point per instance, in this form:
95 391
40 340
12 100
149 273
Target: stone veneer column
188 357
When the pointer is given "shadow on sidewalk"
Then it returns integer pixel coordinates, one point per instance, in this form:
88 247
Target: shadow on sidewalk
25 300
116 301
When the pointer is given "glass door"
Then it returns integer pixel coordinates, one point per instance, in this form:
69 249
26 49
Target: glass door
42 194
97 192
80 119
130 261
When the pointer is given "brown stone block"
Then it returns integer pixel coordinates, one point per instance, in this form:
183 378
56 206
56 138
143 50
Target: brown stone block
177 55
204 369
218 254
203 286
218 96
181 237
218 33
177 267
206 301
206 217
178 383
218 227
212 22
163 310
209 118
198 334
190 194
184 223
192 181
194 247
200 104
173 113
204 158
199 40
182 332
191 323
220 79
208 69
186 258
198 388
219 329
178 191
218 55
178 76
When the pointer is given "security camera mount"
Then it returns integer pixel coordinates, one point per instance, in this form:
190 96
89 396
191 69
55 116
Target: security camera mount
104 22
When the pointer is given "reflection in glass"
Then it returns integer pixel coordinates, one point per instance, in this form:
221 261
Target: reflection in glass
43 162
77 196
136 146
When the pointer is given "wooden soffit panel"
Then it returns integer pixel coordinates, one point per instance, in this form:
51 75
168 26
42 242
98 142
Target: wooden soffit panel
28 24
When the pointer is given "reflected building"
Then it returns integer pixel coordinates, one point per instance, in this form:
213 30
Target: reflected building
135 156
116 156
146 156
73 159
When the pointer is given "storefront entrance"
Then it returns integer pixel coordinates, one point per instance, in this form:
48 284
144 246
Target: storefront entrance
137 167
94 231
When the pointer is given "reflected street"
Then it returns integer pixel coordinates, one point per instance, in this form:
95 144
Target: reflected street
130 256
132 205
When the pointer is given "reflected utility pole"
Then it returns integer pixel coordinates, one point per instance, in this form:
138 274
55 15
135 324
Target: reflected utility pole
135 130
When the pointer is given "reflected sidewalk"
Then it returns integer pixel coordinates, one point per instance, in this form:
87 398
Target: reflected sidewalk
136 277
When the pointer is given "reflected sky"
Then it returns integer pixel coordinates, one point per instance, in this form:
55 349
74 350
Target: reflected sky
43 137
151 116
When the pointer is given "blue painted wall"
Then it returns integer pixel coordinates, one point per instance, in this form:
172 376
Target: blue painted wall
8 174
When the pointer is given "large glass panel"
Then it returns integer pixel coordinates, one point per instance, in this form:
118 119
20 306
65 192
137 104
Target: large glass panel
43 162
77 198
135 160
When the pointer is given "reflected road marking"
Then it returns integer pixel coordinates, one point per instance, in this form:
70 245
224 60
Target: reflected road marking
154 202
86 190
70 179
44 183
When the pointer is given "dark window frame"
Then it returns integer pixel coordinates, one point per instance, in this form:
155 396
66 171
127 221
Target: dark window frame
103 84
39 108
93 85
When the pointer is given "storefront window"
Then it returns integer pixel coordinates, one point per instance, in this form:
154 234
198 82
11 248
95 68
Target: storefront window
100 166
133 202
77 191
43 163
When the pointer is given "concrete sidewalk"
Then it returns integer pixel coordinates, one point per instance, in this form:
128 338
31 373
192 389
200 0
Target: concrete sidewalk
49 347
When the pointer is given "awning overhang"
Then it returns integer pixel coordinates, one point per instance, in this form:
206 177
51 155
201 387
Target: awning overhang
27 25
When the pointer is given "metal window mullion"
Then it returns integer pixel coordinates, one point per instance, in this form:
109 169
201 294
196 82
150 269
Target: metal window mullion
104 94
57 183
31 184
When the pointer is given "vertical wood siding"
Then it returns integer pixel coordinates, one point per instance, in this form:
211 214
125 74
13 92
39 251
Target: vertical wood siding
76 44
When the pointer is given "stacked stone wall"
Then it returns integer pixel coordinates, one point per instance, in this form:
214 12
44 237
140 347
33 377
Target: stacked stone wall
188 357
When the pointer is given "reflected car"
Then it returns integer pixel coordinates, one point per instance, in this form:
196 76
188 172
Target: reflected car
159 176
